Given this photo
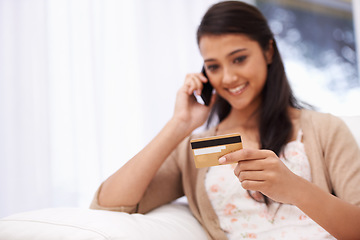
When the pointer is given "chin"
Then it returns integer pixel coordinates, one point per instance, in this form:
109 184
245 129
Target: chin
244 105
238 106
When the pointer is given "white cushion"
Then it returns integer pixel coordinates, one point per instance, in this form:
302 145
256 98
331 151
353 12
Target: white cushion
172 221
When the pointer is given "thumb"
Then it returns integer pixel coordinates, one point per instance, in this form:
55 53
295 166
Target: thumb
228 158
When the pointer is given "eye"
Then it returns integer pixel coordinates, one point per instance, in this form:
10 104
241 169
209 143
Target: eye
240 59
212 68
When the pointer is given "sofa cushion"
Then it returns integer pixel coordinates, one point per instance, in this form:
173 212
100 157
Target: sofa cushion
172 221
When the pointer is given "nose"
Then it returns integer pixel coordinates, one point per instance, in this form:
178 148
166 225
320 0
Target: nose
229 76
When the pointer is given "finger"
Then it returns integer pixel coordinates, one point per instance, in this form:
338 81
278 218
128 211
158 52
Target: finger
245 154
191 86
200 80
250 165
251 176
194 83
252 185
198 84
194 86
202 77
188 88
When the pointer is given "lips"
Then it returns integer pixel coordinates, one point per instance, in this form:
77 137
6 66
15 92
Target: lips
237 90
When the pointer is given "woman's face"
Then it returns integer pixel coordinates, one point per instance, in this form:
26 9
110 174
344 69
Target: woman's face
236 67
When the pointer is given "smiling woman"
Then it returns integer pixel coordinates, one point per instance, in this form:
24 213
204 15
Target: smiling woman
291 155
84 85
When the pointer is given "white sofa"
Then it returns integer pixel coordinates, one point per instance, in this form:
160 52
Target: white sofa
172 221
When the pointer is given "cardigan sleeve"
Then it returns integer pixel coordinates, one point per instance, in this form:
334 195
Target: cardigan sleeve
95 205
165 187
342 158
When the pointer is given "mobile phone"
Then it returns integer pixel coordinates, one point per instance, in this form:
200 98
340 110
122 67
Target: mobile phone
207 89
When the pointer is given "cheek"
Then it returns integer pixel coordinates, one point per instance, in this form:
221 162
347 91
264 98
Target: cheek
257 74
215 81
260 77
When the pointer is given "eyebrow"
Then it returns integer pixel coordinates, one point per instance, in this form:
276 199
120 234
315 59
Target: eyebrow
230 54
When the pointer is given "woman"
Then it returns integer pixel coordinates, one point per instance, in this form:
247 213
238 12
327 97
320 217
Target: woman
294 162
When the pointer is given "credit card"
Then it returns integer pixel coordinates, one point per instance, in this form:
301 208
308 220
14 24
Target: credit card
207 151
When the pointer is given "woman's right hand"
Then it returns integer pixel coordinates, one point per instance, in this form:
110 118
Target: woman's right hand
126 187
187 109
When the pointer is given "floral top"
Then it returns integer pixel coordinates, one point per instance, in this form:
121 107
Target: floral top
241 217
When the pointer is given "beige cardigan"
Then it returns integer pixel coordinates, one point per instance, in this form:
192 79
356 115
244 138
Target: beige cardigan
332 151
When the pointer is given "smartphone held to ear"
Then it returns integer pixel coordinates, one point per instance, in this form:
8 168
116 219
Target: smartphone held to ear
207 90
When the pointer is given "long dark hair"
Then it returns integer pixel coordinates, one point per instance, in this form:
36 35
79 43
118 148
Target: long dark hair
234 17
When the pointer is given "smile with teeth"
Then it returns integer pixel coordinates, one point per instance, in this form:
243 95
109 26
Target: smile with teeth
238 89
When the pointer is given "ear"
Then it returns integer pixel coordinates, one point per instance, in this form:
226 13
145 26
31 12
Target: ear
269 53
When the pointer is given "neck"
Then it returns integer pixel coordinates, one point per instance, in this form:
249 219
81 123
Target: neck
240 119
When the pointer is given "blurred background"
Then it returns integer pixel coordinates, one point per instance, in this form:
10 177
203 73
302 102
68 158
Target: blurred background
85 84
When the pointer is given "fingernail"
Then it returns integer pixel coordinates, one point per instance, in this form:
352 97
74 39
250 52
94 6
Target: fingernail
222 160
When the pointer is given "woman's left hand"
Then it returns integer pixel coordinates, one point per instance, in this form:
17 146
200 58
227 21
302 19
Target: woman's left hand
263 171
